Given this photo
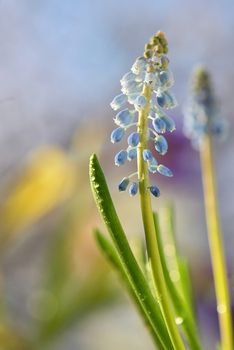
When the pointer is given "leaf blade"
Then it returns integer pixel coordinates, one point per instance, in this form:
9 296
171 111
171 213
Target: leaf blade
112 255
181 307
129 263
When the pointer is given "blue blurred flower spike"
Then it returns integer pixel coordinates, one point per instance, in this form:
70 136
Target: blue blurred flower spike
202 116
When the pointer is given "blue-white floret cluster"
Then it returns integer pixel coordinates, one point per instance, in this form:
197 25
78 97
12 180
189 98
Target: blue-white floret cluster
154 72
201 114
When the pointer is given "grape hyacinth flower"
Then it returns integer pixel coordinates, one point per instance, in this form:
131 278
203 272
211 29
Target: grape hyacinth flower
202 116
141 120
144 97
202 121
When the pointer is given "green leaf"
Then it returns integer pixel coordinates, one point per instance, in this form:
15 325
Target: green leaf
181 307
184 286
112 255
74 300
129 264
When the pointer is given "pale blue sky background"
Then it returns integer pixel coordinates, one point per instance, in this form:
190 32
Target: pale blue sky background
60 64
61 61
74 51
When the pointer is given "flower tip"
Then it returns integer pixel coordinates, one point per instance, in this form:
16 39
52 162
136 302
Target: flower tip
123 184
118 101
124 118
133 189
152 165
173 129
117 135
161 145
163 170
159 125
121 157
140 102
134 139
132 153
166 100
147 155
170 124
155 191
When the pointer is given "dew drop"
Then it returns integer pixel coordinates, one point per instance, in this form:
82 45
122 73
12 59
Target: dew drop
175 276
221 308
179 320
169 250
159 298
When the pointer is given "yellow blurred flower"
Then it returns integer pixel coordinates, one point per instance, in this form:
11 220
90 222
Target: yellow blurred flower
47 180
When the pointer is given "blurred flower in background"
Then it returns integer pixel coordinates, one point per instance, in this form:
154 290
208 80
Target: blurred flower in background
60 65
44 183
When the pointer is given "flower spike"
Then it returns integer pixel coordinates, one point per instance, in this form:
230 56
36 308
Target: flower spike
202 121
148 71
146 87
201 117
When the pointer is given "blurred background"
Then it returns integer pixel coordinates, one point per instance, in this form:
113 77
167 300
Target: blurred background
60 66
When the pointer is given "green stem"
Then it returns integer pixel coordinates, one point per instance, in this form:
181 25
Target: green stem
150 234
216 246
